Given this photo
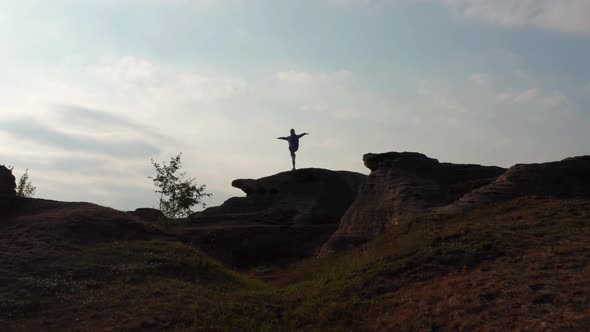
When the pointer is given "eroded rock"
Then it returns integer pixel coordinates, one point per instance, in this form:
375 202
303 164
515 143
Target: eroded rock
283 217
401 187
7 189
567 178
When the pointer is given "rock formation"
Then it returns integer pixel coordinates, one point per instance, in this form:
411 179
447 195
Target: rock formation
148 215
567 178
283 217
401 187
7 189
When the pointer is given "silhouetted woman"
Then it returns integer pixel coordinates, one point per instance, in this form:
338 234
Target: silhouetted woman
293 140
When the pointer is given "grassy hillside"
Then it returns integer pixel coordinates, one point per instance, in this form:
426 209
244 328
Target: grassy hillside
518 265
129 285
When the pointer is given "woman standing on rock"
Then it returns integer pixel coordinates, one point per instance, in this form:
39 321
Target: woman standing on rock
293 140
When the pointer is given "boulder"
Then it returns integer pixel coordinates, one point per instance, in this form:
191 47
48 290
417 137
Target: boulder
148 215
283 217
7 189
401 187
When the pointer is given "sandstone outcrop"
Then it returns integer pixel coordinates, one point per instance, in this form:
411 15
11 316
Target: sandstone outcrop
567 178
401 187
283 217
7 189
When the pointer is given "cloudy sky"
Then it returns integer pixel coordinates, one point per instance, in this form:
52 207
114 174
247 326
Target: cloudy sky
91 90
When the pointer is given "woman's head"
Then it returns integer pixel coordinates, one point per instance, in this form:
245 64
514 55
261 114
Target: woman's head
292 131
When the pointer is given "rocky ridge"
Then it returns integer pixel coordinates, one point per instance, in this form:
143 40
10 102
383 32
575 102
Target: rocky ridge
567 178
405 185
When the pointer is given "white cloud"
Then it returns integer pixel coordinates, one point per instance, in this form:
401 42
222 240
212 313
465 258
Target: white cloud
345 114
554 100
336 113
294 76
192 3
533 97
328 93
139 103
164 83
521 75
125 71
350 3
440 97
314 108
226 125
480 79
504 97
508 121
559 15
515 88
220 121
526 96
304 77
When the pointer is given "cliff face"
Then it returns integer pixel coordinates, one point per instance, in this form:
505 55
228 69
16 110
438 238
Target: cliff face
563 179
283 217
401 187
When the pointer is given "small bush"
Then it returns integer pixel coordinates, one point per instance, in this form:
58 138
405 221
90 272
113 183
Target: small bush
176 193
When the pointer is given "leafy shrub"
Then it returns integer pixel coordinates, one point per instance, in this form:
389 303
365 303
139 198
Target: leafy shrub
176 193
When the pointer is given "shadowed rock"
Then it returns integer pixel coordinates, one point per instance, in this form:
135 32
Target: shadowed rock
7 190
43 221
148 215
283 217
564 179
401 187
